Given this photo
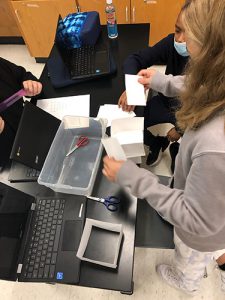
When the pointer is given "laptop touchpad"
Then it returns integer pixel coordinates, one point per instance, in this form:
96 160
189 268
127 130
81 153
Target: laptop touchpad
71 235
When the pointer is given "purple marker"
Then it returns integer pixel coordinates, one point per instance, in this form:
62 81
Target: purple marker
12 99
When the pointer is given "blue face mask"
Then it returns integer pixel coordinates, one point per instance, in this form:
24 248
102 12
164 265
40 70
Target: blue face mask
181 48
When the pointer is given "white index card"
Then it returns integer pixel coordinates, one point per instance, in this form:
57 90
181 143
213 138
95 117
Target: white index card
113 148
135 91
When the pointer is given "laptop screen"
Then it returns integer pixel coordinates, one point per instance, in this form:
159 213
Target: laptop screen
14 210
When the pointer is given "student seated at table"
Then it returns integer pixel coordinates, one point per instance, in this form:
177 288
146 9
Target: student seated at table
195 206
170 51
12 79
169 86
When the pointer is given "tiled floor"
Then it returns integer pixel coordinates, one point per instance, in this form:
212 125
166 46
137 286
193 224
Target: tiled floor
147 285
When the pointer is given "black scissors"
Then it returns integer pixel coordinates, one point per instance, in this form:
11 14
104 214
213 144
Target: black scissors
110 202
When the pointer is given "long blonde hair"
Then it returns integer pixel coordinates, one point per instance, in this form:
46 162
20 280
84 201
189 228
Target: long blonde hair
204 94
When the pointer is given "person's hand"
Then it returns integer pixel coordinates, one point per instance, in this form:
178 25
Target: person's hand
173 135
146 77
123 103
2 125
32 88
111 167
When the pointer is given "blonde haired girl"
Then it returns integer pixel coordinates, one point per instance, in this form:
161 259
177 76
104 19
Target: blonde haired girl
196 205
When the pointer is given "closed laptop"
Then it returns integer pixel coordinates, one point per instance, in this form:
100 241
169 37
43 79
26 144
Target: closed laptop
34 136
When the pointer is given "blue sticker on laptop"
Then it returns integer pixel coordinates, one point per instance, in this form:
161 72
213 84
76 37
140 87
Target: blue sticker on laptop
59 276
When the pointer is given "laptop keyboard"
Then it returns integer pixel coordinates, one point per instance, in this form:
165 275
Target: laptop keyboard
32 173
82 64
42 253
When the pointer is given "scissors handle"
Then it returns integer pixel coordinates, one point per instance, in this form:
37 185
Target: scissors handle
12 99
112 203
112 199
82 141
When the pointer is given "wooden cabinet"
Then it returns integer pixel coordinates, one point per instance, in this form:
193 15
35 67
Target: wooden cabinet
122 9
161 14
8 26
37 21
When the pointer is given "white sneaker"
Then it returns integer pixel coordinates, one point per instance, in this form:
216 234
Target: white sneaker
171 275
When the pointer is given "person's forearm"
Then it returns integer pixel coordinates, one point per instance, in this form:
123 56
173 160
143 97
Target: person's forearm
168 85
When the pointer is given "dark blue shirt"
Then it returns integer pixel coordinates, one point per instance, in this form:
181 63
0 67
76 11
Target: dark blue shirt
162 53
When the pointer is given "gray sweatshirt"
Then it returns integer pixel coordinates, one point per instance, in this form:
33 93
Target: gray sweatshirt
196 205
168 85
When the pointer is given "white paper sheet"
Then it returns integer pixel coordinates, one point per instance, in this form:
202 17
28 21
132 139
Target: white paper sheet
113 148
127 125
72 106
113 112
129 133
135 91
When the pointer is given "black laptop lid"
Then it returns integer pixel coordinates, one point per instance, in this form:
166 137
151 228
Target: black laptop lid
14 211
34 137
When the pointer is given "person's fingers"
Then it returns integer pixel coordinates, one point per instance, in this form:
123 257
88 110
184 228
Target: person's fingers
143 73
104 172
143 80
131 108
25 85
35 88
120 102
28 86
39 87
122 99
32 88
107 160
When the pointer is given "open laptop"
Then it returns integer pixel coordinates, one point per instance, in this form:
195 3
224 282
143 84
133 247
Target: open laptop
39 237
83 62
34 136
69 66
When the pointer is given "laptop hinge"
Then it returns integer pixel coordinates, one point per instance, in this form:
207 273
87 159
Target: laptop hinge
19 268
33 205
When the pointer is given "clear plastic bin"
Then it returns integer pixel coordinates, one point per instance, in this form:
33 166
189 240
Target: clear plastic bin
74 174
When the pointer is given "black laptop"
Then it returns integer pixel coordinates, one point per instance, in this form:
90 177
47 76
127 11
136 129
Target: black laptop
34 136
87 61
20 173
39 237
71 66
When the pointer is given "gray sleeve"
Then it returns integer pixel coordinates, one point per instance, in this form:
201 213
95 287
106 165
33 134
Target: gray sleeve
199 209
168 85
